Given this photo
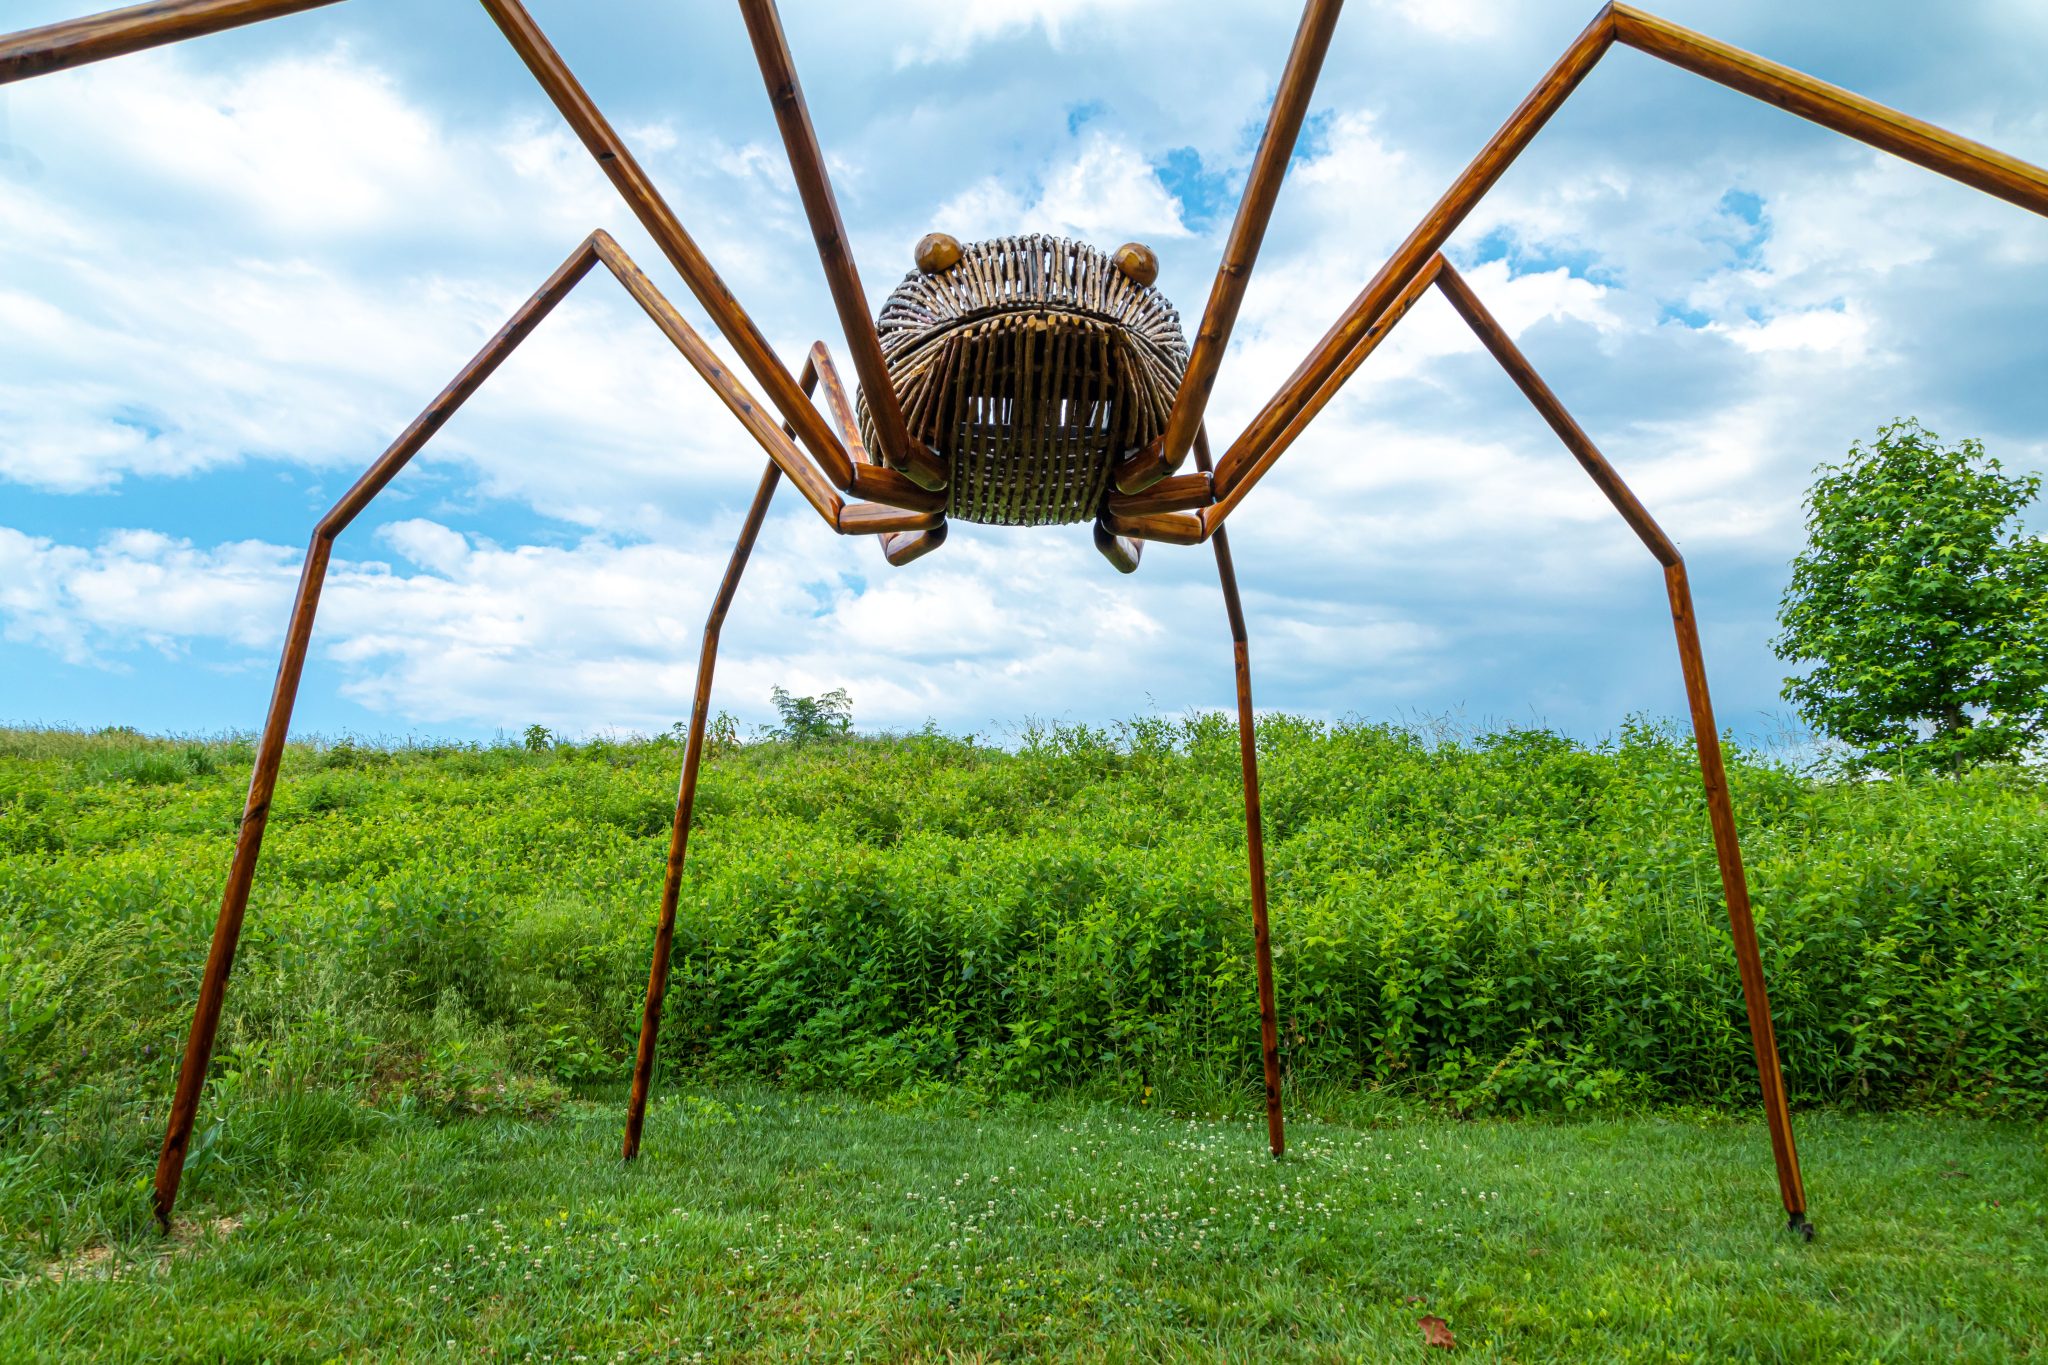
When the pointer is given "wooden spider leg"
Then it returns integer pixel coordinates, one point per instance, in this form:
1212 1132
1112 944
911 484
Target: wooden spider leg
785 457
899 449
1959 158
227 929
1226 501
1144 467
1254 826
1713 774
115 33
56 46
898 547
686 797
900 504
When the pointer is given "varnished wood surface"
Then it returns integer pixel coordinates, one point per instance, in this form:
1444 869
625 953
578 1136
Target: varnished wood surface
1503 349
227 928
1181 493
1174 528
873 518
821 208
905 510
1706 737
1253 463
686 799
1255 849
1123 553
808 478
785 458
96 37
647 205
1247 231
1915 140
1254 820
840 405
1425 241
1749 962
1925 144
902 547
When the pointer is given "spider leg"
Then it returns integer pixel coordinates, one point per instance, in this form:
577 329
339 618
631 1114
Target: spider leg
686 796
117 32
96 37
1254 825
898 547
1144 467
899 449
270 750
785 459
1706 736
1831 106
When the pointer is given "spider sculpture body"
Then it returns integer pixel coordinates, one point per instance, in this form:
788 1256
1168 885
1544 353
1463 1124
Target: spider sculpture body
1026 381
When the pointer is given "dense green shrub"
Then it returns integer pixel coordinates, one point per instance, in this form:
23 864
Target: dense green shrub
1517 922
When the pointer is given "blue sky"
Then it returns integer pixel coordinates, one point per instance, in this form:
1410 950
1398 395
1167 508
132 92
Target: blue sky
231 270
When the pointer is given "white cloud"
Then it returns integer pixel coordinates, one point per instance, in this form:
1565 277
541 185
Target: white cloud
949 30
1107 193
1842 331
1449 18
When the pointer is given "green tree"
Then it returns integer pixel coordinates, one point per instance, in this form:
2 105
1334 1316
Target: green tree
804 719
1921 606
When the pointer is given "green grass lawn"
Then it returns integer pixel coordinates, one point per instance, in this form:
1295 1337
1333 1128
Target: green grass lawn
763 1225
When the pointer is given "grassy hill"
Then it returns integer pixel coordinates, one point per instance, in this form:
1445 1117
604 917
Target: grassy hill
944 961
1514 924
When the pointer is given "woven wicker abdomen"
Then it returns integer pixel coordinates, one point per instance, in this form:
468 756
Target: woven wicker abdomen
1033 365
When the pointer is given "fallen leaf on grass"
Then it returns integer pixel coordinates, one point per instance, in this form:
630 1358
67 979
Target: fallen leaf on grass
1436 1332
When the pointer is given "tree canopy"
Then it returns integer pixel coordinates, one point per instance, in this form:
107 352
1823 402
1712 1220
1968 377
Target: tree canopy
1921 605
828 716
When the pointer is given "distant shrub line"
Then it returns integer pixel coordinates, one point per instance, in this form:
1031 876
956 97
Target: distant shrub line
1512 924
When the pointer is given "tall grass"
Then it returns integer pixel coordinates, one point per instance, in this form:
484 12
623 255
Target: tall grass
1512 924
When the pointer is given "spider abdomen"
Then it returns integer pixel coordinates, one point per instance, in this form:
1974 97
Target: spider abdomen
1032 365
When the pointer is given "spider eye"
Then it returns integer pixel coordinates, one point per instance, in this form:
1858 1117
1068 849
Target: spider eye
1138 262
936 251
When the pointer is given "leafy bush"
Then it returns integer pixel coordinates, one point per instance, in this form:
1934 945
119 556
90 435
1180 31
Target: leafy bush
1516 923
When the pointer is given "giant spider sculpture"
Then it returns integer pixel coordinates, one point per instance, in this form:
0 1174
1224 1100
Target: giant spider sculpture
1025 381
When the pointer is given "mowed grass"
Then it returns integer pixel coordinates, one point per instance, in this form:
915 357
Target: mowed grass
766 1225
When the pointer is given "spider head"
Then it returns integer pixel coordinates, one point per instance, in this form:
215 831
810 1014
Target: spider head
1032 364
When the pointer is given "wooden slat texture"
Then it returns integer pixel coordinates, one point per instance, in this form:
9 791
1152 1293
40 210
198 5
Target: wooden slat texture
1033 364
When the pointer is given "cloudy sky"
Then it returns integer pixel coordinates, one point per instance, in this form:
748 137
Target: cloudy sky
231 270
